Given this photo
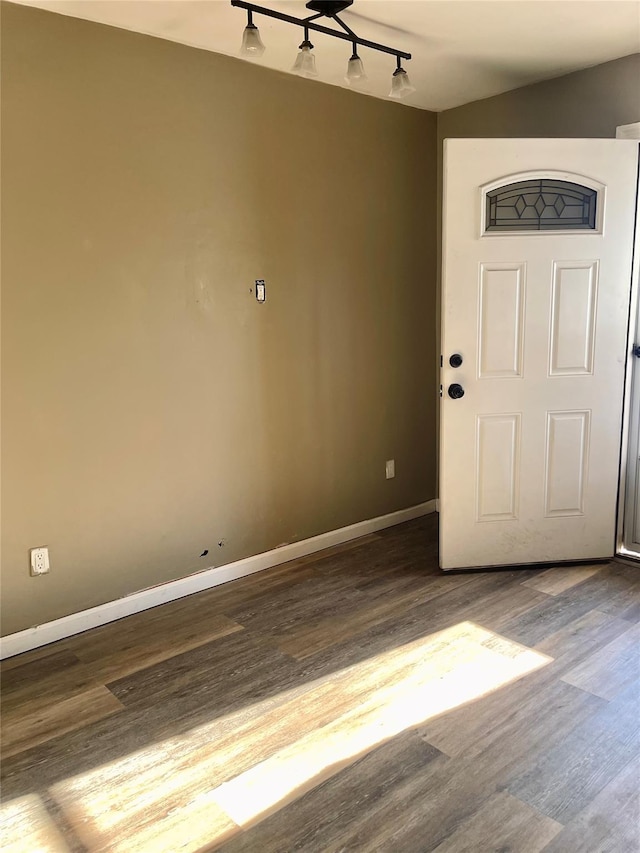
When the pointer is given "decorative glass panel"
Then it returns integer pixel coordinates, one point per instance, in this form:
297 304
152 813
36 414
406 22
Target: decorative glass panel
542 204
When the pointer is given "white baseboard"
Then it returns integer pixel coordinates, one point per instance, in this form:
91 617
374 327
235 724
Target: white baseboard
76 623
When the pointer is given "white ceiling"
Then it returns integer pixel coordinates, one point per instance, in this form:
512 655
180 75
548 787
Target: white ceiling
462 50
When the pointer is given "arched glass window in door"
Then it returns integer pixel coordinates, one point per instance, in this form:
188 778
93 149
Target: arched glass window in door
541 204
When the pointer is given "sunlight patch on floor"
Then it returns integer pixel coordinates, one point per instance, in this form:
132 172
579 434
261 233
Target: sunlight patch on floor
27 827
463 664
198 788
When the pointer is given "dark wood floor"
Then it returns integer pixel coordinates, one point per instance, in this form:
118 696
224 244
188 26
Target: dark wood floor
354 700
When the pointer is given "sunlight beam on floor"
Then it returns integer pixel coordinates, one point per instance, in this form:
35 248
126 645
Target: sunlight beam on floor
196 789
464 663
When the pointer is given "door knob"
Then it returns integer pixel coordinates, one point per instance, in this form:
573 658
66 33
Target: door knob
455 391
455 360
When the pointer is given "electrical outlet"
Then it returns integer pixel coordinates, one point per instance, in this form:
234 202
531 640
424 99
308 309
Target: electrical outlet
39 561
390 469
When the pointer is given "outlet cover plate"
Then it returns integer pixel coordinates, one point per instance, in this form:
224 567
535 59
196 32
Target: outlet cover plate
39 561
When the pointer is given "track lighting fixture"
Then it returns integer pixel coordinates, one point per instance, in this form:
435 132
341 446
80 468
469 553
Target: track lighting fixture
305 63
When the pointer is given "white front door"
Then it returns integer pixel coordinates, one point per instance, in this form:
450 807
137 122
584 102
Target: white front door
537 252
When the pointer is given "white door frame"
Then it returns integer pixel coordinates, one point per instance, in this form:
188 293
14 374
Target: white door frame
631 404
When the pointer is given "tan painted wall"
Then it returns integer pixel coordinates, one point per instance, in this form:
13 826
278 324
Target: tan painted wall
151 408
589 103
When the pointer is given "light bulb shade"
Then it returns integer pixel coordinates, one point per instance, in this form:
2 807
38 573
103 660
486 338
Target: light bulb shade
400 84
355 71
305 64
251 42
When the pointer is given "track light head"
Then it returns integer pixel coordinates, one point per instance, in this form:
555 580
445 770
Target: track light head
252 45
355 70
400 84
305 64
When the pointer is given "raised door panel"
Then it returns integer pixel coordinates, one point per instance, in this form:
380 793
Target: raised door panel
573 315
501 321
567 456
497 466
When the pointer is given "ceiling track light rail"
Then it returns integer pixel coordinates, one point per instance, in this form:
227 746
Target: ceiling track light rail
252 45
309 24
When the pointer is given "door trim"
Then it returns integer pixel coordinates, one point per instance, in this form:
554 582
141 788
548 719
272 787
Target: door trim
633 330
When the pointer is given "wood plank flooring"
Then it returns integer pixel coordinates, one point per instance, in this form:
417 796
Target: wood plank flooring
354 700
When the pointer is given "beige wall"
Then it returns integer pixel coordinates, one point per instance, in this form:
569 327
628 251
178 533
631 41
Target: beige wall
151 408
589 103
